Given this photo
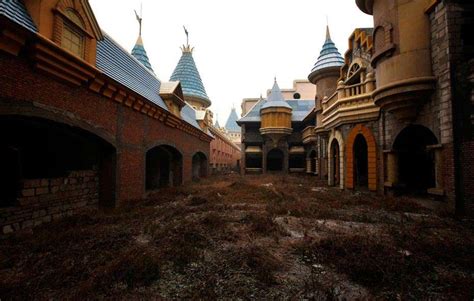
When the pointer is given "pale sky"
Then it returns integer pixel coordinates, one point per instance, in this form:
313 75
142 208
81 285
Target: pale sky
240 46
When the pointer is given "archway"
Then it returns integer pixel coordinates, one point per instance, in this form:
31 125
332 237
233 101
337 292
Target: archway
335 163
275 159
199 166
416 164
163 167
361 167
46 156
360 158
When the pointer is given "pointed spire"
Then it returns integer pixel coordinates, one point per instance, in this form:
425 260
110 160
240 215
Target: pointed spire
329 57
275 99
217 125
231 124
328 35
187 73
138 50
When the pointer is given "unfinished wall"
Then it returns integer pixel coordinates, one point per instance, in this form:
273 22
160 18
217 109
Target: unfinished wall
44 200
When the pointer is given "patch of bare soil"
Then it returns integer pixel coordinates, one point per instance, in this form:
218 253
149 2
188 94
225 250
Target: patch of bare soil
253 237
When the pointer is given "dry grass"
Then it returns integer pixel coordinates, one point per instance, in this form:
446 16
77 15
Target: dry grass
219 239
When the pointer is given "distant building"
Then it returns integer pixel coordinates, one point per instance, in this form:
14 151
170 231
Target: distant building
272 134
232 129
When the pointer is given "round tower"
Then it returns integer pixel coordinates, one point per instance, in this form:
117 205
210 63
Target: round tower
326 71
275 116
402 57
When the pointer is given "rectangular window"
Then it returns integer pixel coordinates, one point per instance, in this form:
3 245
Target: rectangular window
72 41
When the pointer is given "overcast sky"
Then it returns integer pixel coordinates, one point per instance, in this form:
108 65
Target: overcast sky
240 46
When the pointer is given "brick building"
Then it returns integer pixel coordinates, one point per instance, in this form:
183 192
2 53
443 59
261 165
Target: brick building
395 114
82 121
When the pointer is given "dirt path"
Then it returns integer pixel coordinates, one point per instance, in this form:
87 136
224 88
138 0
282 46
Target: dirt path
256 237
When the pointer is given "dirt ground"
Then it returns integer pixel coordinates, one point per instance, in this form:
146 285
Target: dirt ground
240 238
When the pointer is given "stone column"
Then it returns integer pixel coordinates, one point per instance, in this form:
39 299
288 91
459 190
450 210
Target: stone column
316 166
391 168
438 167
308 165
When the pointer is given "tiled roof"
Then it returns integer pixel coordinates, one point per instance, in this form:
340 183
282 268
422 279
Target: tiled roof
139 53
301 109
187 73
275 99
329 56
111 59
117 63
189 115
16 11
231 124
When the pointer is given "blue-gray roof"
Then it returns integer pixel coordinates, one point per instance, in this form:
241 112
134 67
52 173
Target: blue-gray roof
275 99
111 59
117 63
139 53
16 11
189 115
329 56
187 73
301 109
231 124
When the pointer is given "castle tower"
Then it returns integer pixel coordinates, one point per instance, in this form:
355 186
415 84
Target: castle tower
187 73
232 128
276 116
138 50
326 70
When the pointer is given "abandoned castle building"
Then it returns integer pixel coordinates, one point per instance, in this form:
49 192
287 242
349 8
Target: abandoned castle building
394 115
272 132
83 122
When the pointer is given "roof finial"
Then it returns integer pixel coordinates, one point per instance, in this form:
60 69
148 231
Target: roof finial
328 35
139 19
187 35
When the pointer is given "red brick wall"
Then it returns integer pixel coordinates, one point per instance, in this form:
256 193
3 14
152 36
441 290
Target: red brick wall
25 92
44 200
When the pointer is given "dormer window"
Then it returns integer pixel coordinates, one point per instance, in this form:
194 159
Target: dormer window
73 38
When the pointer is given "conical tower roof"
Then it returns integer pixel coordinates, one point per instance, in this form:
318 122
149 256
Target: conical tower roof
139 53
187 73
275 99
231 124
329 57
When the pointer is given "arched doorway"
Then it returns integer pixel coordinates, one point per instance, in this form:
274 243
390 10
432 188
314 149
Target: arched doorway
416 164
53 159
163 167
275 159
199 166
360 161
361 150
335 163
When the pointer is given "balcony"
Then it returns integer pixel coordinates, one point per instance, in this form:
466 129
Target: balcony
309 135
350 104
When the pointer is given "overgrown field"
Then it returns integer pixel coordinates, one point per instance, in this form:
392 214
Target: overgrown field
253 237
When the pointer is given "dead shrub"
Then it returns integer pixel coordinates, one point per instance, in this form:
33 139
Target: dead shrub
380 265
255 261
196 201
135 267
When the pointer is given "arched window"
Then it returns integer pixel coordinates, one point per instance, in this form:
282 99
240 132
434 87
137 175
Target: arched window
73 38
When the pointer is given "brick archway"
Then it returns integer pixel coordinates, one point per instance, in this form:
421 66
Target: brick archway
371 156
